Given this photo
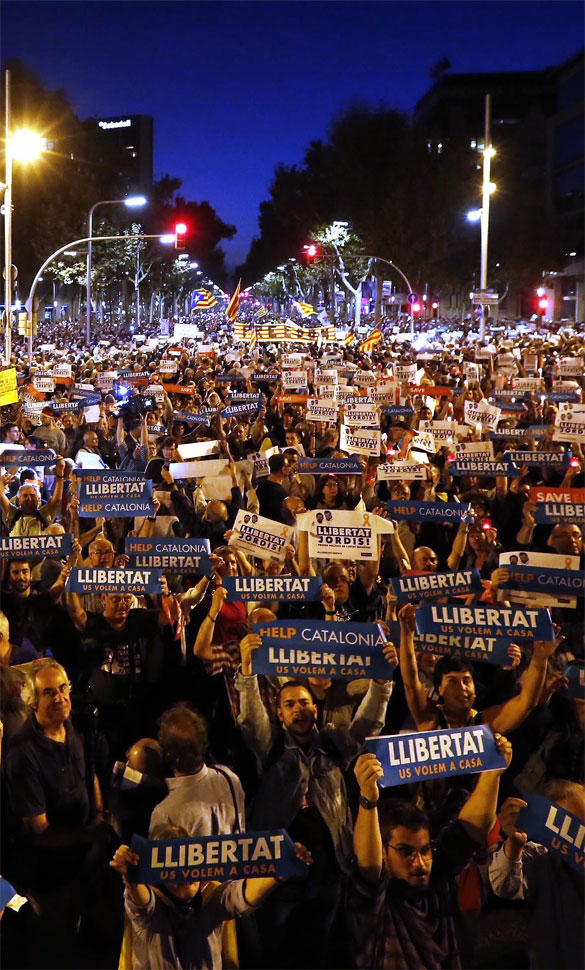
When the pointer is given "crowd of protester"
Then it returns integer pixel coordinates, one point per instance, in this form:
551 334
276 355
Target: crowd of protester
129 714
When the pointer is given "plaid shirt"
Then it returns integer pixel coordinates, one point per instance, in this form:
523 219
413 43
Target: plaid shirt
226 660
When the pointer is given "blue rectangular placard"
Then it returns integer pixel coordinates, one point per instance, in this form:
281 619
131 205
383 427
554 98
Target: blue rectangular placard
249 855
571 582
113 493
558 458
202 418
247 407
302 589
329 466
490 650
319 648
408 589
82 579
397 410
560 831
23 547
484 467
575 674
514 621
455 512
41 456
172 555
427 755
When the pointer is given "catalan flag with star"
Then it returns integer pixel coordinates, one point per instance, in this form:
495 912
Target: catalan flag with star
305 309
202 300
233 305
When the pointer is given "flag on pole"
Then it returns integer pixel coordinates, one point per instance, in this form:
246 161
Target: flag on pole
202 300
349 338
253 335
370 341
233 305
304 308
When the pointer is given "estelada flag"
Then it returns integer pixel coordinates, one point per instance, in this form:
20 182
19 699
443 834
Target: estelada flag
370 341
233 305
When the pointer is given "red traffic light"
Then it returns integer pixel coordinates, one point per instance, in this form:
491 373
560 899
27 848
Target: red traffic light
543 303
415 307
311 250
435 306
180 233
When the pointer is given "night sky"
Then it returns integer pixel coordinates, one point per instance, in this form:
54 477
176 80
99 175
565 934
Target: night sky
236 88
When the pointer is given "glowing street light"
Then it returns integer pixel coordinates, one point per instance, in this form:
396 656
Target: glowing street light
474 215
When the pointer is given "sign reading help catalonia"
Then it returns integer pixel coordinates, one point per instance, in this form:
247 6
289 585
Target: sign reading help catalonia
305 589
326 466
84 580
43 456
490 621
113 493
560 831
251 855
173 555
434 585
429 511
435 754
545 580
319 648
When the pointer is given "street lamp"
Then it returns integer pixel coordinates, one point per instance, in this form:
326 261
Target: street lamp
23 146
132 202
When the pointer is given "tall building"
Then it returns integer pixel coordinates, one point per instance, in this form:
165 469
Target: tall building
123 147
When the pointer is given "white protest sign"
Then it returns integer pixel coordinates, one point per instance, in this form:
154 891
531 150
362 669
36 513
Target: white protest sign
198 449
260 459
62 370
260 536
404 471
482 413
184 331
569 422
105 380
156 391
167 366
326 377
424 441
471 371
475 449
405 372
361 415
44 383
364 378
442 431
325 409
571 366
360 441
201 468
528 384
343 535
291 361
294 380
531 362
384 392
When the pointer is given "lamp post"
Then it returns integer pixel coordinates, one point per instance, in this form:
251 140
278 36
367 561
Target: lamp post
24 146
132 202
483 215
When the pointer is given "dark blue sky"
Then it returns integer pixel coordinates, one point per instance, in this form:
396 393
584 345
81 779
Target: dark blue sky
236 87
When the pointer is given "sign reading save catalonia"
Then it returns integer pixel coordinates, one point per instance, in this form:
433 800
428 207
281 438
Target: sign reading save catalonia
305 589
558 505
429 754
113 493
434 585
515 622
173 555
85 580
251 855
319 648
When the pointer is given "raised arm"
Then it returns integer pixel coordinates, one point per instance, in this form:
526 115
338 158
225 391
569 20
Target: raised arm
202 646
367 841
422 709
510 715
478 815
458 548
55 500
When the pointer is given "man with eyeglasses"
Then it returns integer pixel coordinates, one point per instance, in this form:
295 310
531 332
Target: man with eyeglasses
401 900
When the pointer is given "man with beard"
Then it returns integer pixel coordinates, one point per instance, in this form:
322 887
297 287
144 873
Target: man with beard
401 899
29 517
36 621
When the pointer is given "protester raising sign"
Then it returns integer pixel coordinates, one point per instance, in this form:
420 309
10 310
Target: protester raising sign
23 547
491 650
540 562
173 555
504 468
260 536
485 621
329 466
305 589
558 505
435 754
408 589
360 441
113 493
487 415
38 458
85 580
319 648
342 535
431 511
559 830
215 857
402 471
324 409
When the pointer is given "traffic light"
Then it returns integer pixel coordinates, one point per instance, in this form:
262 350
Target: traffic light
180 233
311 250
542 305
435 310
415 307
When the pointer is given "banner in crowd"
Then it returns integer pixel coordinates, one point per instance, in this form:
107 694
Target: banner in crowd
324 409
251 855
538 561
561 832
198 449
575 674
321 648
361 415
342 535
360 441
294 380
304 589
40 457
129 580
570 423
487 415
571 581
260 459
398 410
36 547
402 471
113 493
203 417
558 505
515 622
200 468
483 450
329 466
424 441
455 512
556 458
260 536
503 468
441 430
408 589
172 555
491 650
246 407
535 432
435 754
8 387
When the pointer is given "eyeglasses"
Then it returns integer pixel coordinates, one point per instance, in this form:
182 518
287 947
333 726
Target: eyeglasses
52 692
408 853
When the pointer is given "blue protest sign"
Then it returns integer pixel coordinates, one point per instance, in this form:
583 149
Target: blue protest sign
575 674
536 432
511 406
132 375
271 378
544 580
113 493
215 857
493 621
36 547
42 456
248 407
172 555
7 892
318 648
397 410
203 417
550 825
329 466
455 512
490 650
484 466
235 397
303 589
558 458
435 754
88 401
60 406
408 589
129 580
557 396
